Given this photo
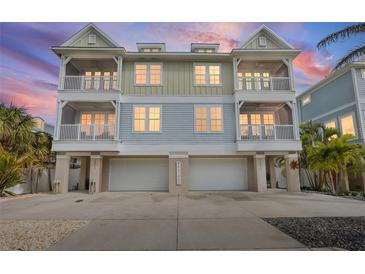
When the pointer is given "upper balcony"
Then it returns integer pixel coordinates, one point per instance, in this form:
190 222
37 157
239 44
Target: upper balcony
264 81
96 77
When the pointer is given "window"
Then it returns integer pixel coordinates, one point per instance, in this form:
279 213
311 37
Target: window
86 119
363 73
151 50
207 74
141 74
201 119
216 119
248 76
266 80
347 125
268 119
330 124
97 75
257 80
115 80
306 100
262 41
154 119
208 119
148 74
244 128
139 118
204 50
147 119
107 81
92 39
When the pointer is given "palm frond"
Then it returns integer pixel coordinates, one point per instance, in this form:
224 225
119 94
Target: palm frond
342 34
351 56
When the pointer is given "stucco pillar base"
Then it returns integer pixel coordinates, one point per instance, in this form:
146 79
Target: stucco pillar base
363 181
292 175
96 168
62 173
83 169
174 187
272 173
259 183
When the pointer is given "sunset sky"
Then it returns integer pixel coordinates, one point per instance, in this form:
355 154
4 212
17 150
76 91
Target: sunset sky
29 70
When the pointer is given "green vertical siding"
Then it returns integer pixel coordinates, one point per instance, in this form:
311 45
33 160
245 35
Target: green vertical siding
177 80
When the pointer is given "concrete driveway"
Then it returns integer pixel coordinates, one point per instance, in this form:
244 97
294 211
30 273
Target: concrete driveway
161 221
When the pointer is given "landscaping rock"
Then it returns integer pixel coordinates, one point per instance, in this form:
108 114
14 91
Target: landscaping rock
319 232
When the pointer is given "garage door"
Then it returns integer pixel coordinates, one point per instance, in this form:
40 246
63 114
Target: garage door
147 174
208 174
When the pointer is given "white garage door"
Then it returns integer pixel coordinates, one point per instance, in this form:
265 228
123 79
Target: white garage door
147 174
208 174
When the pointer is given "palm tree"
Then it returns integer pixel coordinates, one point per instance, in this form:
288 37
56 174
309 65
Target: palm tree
333 159
10 171
344 33
311 133
15 129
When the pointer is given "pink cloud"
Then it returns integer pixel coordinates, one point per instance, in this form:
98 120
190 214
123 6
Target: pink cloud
35 96
309 65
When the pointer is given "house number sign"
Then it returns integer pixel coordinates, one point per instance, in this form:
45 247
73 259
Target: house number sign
178 172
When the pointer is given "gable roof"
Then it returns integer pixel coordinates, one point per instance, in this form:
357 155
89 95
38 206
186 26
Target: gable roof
90 27
271 34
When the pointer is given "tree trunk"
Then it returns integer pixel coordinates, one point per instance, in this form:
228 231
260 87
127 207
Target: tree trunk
49 179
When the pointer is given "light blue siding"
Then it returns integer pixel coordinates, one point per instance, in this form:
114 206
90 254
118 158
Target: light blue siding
329 97
360 83
177 126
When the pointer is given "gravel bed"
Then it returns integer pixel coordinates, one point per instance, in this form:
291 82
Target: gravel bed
318 232
34 235
359 198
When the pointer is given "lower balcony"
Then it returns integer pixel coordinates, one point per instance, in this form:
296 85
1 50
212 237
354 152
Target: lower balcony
87 132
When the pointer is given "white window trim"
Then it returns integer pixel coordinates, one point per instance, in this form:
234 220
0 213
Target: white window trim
207 75
148 84
147 122
208 107
305 97
332 120
354 121
362 73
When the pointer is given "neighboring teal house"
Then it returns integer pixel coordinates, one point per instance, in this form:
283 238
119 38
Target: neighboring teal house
338 101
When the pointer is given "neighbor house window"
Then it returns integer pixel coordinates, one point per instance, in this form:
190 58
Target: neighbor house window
306 100
148 74
151 50
146 119
330 124
348 125
208 119
207 74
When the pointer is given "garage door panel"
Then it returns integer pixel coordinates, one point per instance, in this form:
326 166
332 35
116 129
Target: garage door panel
139 174
210 174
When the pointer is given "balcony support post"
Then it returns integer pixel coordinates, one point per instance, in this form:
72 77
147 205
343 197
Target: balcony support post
289 64
293 107
119 61
64 61
235 67
60 106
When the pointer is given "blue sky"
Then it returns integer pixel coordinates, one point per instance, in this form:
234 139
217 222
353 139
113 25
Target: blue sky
29 70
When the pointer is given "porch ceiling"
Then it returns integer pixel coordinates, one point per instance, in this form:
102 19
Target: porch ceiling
94 64
268 66
105 106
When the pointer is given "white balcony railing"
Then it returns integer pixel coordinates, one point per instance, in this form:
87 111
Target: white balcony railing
267 132
90 83
97 132
263 84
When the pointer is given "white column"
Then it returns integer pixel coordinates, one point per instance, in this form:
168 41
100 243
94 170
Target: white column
61 72
235 74
295 120
237 111
259 173
96 168
292 172
62 172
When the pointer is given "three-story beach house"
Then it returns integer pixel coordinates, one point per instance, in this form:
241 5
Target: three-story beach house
156 120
